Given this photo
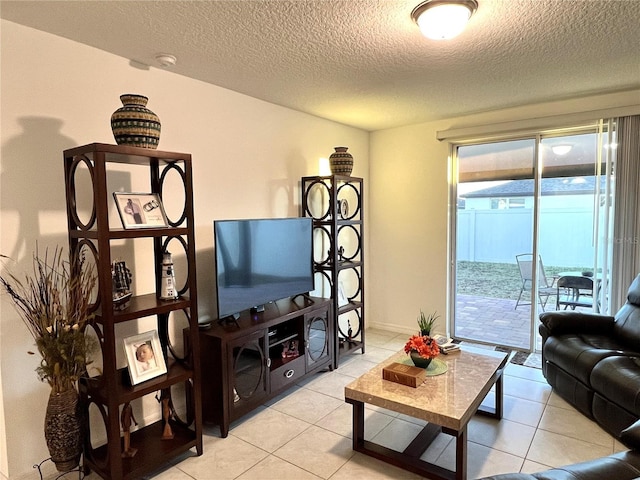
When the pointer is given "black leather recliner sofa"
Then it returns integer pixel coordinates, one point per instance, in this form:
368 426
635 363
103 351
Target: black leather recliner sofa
619 466
593 361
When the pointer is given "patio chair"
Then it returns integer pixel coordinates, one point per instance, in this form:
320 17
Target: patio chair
574 292
546 289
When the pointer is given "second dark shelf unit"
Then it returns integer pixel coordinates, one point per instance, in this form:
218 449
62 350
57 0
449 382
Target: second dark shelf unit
336 205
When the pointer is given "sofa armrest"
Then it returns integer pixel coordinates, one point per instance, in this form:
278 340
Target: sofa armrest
558 323
630 436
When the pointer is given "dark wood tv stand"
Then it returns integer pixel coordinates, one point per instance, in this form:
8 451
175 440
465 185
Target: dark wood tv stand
244 363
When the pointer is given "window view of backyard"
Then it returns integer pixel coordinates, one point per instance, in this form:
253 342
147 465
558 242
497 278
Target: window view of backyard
487 306
520 196
501 280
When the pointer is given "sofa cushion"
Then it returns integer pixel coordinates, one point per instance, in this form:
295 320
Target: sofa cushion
617 378
627 324
611 416
577 354
619 466
569 321
631 435
572 390
511 476
633 295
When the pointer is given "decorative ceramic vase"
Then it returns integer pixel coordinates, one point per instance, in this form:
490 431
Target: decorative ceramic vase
63 429
134 124
341 162
419 361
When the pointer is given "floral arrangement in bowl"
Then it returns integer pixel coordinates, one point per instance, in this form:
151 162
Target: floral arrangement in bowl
426 346
422 349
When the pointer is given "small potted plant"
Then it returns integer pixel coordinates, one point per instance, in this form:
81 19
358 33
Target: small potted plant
425 322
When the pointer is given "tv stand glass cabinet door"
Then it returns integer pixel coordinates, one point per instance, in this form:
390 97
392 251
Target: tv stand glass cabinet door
249 364
319 347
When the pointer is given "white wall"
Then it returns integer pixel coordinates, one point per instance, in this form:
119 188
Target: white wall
408 203
407 227
248 157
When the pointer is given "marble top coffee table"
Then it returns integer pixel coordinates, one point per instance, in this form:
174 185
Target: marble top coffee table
447 402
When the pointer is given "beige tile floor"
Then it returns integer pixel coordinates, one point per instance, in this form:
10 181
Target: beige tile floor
306 432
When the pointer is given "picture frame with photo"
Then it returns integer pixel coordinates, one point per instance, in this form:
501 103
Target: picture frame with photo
140 210
144 356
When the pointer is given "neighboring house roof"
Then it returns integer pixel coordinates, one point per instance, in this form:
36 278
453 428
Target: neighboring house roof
550 186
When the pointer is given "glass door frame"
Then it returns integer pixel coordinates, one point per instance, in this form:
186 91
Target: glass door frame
538 136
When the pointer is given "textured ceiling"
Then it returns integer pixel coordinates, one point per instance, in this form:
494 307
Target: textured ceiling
364 62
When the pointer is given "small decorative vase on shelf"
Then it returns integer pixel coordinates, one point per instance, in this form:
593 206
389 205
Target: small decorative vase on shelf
341 161
418 360
63 429
134 124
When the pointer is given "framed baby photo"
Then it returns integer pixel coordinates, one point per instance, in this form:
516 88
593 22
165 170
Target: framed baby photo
144 356
140 210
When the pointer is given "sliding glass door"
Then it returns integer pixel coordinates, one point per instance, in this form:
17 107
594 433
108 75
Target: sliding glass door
527 211
494 224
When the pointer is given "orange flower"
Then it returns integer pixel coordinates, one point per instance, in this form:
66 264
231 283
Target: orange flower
425 346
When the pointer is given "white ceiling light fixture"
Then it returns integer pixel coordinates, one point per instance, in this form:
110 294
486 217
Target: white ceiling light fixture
166 60
561 149
443 19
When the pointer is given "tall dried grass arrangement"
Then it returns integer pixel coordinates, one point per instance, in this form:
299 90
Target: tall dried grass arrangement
54 303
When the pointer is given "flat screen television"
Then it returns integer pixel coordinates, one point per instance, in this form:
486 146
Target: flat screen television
260 261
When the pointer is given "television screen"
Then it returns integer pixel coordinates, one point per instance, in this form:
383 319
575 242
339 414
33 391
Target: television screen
259 261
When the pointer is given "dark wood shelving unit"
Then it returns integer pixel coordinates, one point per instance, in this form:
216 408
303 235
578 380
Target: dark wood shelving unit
111 391
176 373
339 251
137 466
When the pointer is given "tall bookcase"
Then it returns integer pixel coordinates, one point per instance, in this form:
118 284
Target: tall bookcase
336 205
110 392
